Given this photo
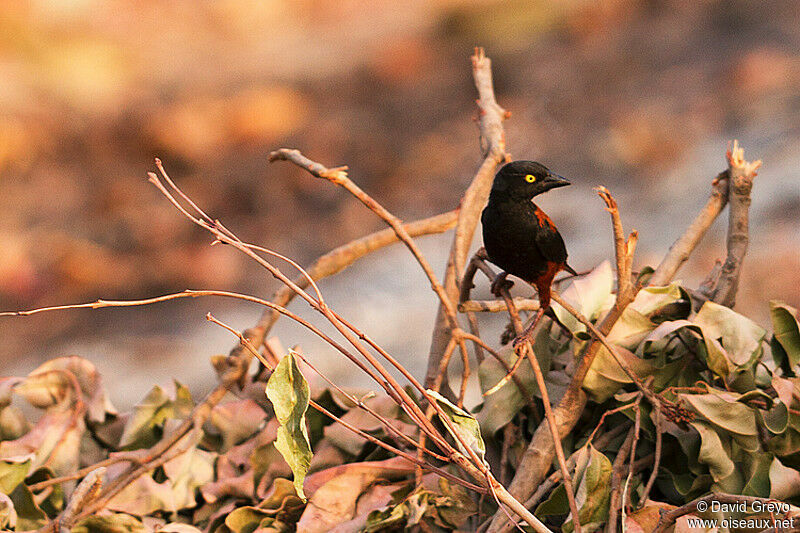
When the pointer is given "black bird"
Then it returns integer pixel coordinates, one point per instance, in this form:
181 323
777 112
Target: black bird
518 236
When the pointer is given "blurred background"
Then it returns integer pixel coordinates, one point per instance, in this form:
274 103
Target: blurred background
638 95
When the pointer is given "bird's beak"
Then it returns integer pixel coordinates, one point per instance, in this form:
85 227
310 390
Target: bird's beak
554 180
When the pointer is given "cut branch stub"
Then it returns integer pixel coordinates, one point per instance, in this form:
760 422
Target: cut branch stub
740 176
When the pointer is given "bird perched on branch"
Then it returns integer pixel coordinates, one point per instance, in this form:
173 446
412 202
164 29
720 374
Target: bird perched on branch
519 237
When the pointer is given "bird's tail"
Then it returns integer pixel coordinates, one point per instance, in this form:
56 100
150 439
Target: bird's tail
570 269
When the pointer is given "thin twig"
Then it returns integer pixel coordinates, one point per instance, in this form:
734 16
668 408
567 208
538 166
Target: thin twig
608 413
650 395
249 346
555 478
478 263
86 491
356 401
120 457
347 330
472 464
498 306
616 478
553 424
631 462
524 391
339 177
340 258
657 460
189 293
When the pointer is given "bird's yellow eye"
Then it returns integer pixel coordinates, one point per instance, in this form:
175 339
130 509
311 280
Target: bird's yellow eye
530 178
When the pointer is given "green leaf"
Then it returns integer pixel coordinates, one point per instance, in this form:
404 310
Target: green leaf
555 505
464 427
13 471
723 410
280 507
594 492
248 519
786 330
759 467
289 393
635 323
712 451
711 351
787 443
115 523
784 482
386 519
605 377
652 299
776 419
29 515
144 426
740 336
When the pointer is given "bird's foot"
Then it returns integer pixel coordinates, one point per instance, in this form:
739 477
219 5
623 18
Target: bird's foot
520 341
500 283
527 335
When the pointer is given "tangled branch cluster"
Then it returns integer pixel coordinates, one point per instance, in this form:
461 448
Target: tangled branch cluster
423 427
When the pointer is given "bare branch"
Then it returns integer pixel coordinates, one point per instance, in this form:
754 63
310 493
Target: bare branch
339 177
621 248
490 123
650 395
498 306
682 248
348 331
741 174
86 491
340 258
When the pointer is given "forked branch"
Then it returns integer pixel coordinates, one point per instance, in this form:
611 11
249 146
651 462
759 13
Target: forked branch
492 134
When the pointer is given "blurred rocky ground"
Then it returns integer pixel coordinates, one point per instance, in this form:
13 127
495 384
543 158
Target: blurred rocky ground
638 95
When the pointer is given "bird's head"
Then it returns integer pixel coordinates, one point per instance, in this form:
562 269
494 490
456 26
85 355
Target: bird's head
525 179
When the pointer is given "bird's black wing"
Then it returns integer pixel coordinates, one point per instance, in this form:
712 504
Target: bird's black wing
550 244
